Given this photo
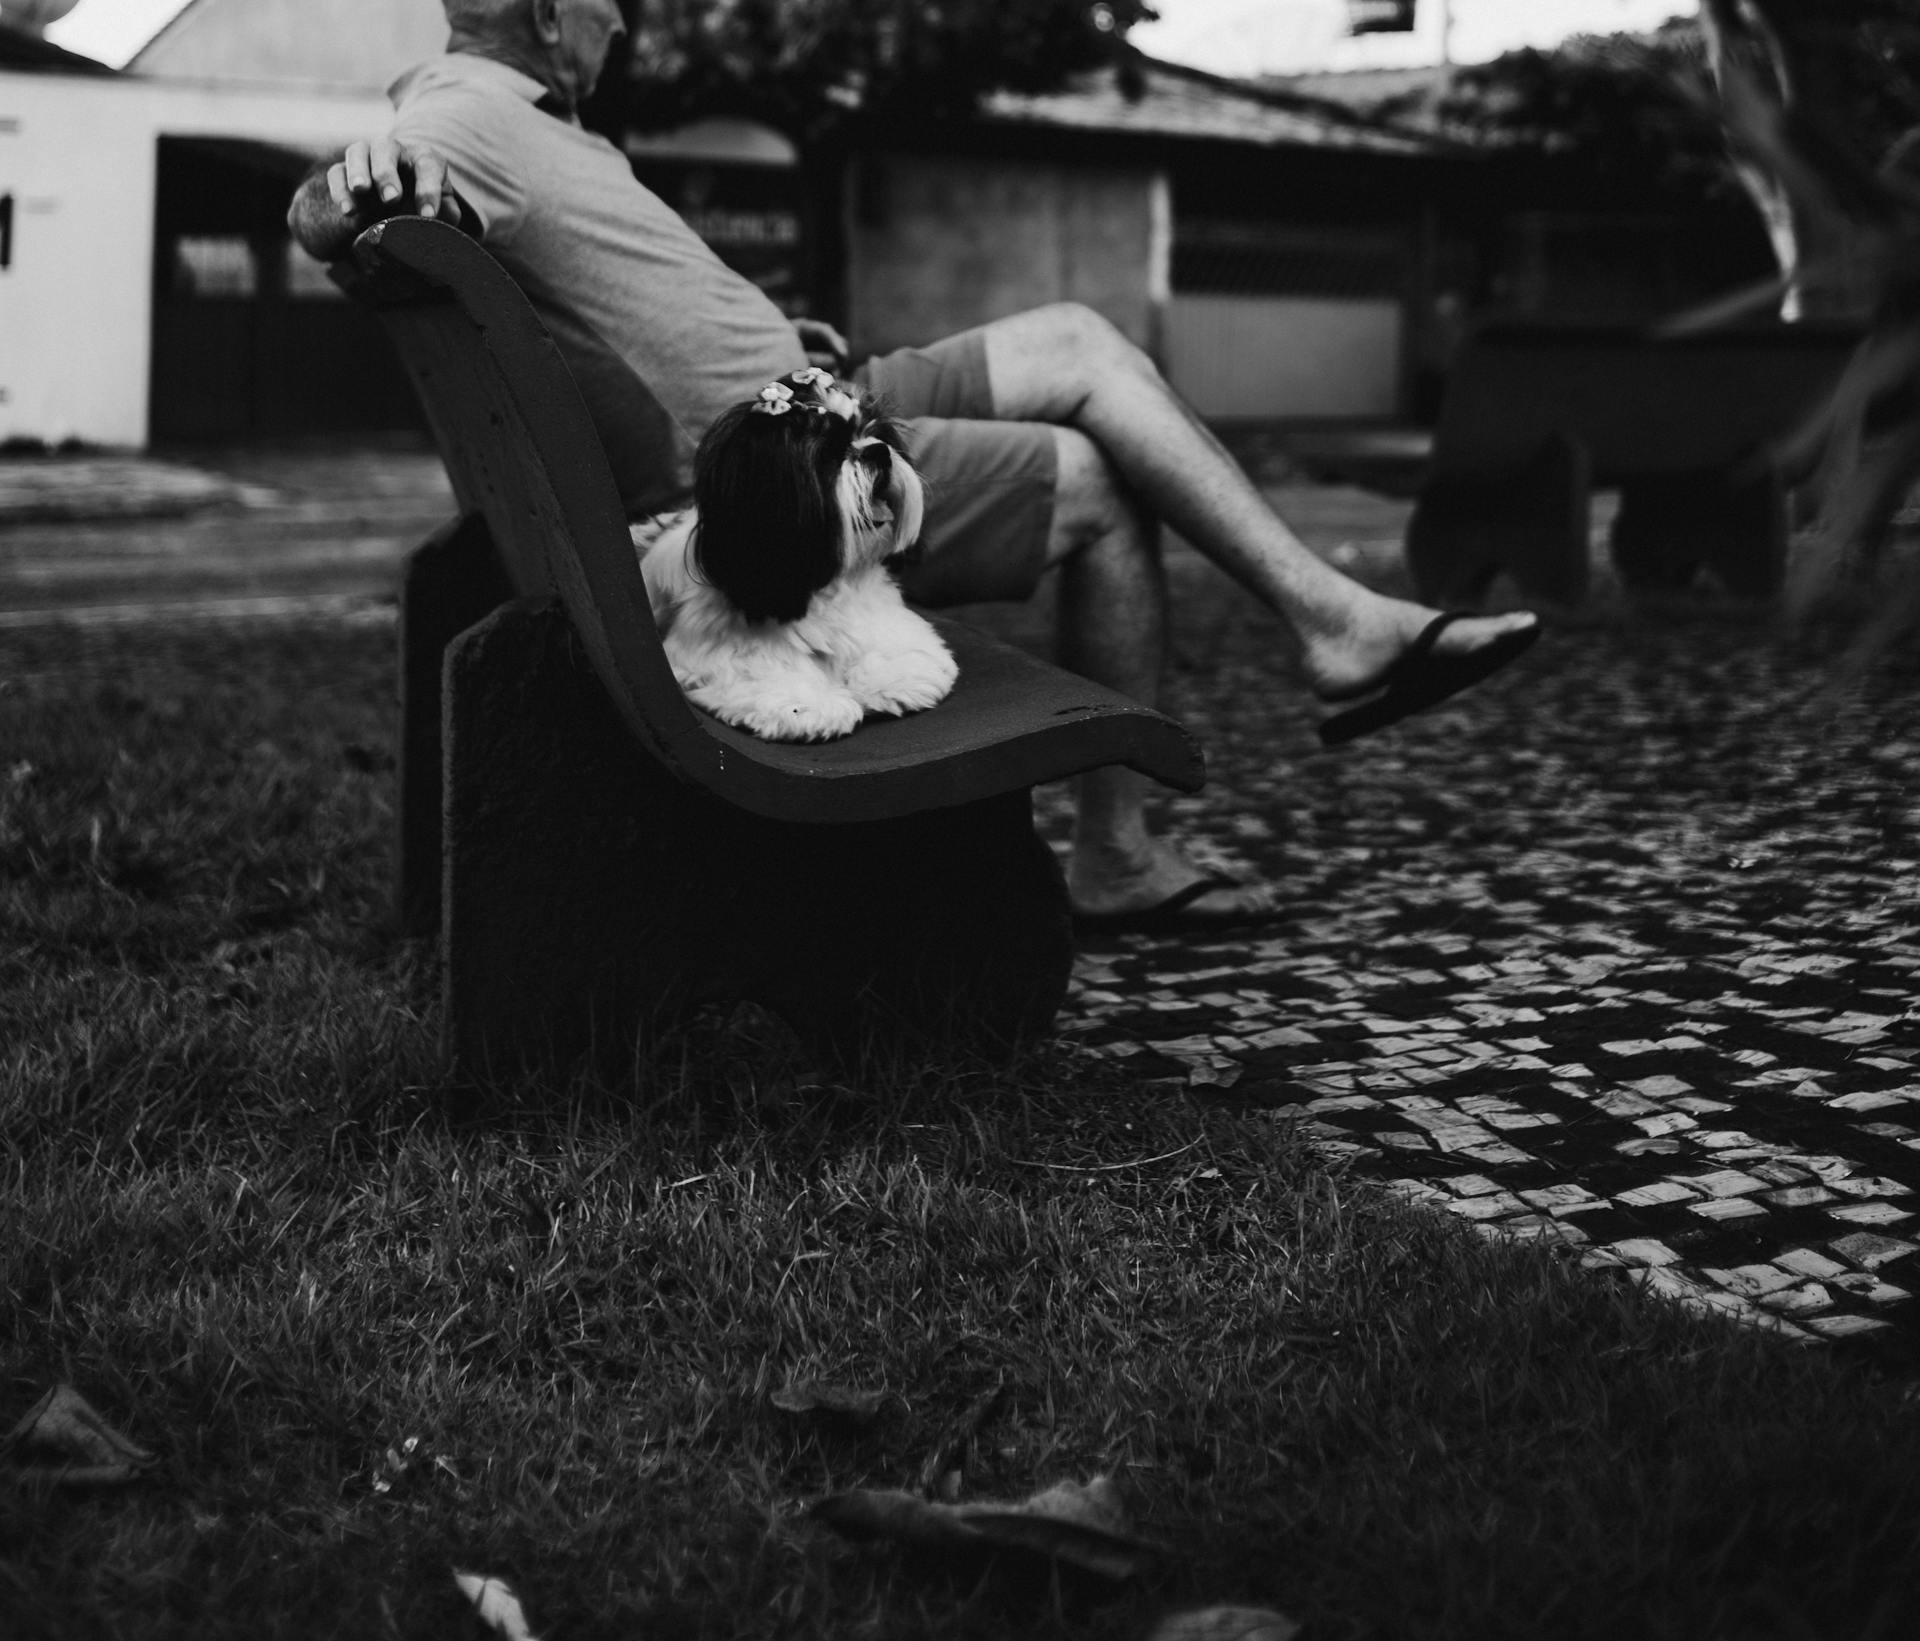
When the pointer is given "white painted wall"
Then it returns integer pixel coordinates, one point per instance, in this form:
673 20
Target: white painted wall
1285 356
361 44
79 156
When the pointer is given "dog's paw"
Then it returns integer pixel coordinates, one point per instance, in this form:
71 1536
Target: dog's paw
905 680
810 714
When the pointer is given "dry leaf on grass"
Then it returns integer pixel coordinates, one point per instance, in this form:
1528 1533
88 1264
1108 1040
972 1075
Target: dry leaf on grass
1226 1624
838 1401
499 1608
1086 1527
63 1439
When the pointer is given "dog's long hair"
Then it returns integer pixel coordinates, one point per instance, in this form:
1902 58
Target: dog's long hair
787 489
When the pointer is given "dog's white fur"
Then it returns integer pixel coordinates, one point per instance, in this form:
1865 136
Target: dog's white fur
857 650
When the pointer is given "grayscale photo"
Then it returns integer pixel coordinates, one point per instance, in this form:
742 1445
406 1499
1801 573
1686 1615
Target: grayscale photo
1081 819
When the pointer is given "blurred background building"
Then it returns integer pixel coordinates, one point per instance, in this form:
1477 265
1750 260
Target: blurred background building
1284 250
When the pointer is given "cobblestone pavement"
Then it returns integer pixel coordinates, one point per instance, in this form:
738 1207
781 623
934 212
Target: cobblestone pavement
1619 949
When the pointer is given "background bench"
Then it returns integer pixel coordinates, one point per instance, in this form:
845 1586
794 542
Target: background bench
1537 416
594 851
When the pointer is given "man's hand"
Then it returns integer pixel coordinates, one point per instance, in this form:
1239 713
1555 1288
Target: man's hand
370 181
388 168
824 345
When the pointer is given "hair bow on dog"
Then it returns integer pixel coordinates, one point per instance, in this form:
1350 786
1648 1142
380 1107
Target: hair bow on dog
777 398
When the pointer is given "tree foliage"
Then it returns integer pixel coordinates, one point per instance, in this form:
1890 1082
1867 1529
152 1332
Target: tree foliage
807 66
1639 113
1632 113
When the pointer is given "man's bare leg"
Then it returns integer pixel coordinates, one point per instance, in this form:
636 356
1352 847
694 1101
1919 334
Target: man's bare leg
1113 629
1066 365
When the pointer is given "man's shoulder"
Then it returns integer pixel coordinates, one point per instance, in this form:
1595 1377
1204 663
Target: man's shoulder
458 78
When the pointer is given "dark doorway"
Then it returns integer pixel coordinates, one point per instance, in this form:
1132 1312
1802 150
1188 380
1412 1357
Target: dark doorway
250 337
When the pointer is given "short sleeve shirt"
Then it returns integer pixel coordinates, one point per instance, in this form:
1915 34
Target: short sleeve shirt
660 334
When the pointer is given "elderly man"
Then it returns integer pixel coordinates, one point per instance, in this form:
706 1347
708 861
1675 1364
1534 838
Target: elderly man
1050 443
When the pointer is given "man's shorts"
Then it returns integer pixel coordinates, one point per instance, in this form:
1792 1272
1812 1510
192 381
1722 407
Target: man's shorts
989 484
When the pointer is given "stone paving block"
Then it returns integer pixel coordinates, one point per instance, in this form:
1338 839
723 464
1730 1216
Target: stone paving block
1865 1285
1644 1251
1496 1154
1499 1206
1561 1200
1538 1227
1724 1208
1870 1251
1799 1196
1870 1213
1659 1191
1845 1326
1806 1262
1752 1280
1866 1101
1869 1185
1724 1182
1802 1300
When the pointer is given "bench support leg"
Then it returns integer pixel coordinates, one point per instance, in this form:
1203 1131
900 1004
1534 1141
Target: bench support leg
1531 521
588 893
453 579
1734 523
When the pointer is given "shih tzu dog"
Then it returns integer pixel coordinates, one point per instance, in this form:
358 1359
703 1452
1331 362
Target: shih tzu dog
774 603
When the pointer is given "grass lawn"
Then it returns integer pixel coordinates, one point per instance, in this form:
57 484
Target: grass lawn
242 1211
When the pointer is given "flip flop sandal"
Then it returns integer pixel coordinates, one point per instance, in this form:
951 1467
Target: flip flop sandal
1418 679
1176 913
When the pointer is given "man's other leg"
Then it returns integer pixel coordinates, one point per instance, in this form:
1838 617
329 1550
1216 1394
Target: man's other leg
1113 629
1066 365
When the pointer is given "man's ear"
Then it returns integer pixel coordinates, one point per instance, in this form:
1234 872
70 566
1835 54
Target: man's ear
546 21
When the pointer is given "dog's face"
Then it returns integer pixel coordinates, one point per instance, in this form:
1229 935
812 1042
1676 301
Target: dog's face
803 484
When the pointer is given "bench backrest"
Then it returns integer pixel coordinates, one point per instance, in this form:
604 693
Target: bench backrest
1641 405
522 452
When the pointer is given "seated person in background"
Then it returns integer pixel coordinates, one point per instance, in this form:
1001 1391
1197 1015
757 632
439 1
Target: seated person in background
1048 441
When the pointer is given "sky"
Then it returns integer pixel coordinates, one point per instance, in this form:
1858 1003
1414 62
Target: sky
1228 36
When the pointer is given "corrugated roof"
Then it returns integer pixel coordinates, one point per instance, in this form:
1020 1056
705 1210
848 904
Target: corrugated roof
1181 102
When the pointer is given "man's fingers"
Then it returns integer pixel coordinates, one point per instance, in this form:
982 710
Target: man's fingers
358 164
386 170
429 183
338 191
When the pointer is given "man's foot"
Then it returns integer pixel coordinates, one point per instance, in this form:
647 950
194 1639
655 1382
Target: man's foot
1343 665
1160 892
1447 654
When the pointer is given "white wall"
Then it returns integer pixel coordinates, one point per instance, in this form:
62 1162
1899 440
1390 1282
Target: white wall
1285 356
362 44
78 154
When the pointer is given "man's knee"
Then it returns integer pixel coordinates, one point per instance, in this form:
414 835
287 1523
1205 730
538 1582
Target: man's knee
1085 340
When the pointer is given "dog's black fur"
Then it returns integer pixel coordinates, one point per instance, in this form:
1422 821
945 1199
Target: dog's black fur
766 489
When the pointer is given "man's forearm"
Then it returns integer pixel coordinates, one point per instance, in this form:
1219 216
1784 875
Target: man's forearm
315 219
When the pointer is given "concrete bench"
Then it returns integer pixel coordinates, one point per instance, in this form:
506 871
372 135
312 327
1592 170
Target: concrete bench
1537 416
594 852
